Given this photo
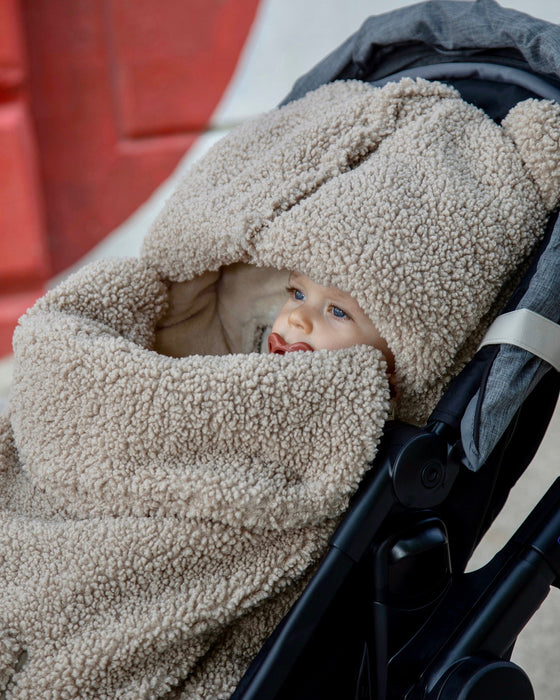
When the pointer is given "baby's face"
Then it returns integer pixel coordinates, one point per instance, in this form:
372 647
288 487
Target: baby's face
325 318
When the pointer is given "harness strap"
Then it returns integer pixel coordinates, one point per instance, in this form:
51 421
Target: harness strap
528 330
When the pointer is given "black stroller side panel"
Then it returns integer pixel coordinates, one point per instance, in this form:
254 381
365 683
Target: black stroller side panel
388 618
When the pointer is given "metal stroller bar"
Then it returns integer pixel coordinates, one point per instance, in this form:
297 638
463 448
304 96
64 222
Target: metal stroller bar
461 627
482 615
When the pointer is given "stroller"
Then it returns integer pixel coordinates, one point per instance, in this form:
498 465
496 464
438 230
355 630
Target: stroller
391 612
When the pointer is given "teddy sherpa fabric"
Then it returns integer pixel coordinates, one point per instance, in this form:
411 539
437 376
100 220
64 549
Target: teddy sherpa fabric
165 492
158 515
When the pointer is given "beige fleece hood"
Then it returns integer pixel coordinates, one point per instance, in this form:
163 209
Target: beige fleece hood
405 196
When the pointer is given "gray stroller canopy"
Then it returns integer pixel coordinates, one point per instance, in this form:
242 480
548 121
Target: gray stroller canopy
418 39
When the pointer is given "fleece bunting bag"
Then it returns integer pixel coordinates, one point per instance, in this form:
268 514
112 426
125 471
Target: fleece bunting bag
167 488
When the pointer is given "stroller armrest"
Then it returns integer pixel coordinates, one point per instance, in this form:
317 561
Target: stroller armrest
413 469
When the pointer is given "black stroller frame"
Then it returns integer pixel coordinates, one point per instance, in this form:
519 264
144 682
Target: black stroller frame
391 613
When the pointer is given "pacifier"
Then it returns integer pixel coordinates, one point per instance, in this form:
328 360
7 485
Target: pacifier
278 346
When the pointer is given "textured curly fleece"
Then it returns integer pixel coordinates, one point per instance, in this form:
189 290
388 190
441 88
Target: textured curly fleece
159 514
405 196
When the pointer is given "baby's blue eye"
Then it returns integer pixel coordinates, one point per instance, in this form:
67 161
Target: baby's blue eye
298 296
339 313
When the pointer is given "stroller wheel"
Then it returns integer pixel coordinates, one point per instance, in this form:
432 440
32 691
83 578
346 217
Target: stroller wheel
479 678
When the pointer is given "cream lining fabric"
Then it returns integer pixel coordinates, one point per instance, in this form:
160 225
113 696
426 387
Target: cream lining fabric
221 312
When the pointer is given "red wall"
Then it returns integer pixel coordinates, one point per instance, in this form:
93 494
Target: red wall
98 102
24 260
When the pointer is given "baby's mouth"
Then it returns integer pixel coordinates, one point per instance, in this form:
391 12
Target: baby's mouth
278 346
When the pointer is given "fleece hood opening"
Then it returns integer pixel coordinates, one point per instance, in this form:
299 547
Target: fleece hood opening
227 311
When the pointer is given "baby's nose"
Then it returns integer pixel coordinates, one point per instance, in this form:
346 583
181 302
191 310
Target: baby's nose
301 318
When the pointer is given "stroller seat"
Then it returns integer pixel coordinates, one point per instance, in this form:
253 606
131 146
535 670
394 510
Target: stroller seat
392 611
